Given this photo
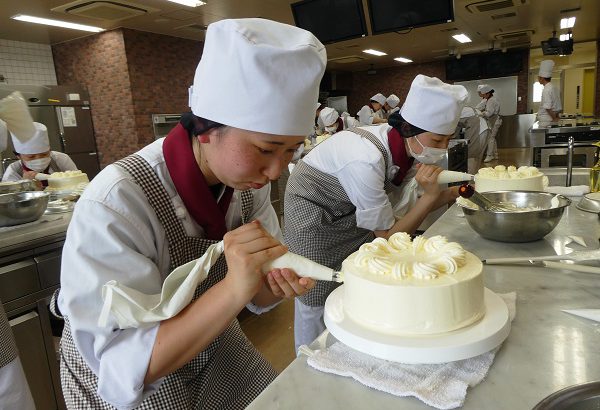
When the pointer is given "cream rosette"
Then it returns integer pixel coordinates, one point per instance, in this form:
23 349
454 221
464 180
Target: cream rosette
399 257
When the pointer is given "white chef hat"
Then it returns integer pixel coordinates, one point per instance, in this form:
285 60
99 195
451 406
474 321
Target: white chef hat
35 145
380 98
393 100
3 136
484 88
269 71
329 116
318 106
546 68
433 105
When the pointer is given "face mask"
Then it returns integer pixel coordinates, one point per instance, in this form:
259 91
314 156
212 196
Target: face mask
331 130
429 155
39 164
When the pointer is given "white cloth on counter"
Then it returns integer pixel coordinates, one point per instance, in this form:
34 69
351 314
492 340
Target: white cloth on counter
575 190
359 167
126 242
443 386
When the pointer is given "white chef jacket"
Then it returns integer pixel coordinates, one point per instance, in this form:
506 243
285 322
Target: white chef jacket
365 115
550 101
62 160
115 234
359 166
489 107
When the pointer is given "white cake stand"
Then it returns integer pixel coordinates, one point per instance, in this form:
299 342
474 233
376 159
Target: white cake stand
460 344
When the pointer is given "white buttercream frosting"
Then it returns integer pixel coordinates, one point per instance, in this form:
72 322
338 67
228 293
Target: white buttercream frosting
510 172
400 258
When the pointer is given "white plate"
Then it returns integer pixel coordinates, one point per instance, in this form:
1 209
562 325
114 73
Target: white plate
471 341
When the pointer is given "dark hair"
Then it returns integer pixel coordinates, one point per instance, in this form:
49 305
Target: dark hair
405 128
491 91
547 78
373 101
198 125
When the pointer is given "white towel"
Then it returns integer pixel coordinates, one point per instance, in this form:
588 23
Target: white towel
443 386
576 190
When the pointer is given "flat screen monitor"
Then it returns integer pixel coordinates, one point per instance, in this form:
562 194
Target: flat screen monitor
499 64
467 68
396 15
331 20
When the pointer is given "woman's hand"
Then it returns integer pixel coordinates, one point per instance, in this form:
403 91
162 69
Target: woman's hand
247 249
284 283
426 177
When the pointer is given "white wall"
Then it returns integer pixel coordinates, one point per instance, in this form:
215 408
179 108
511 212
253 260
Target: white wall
26 63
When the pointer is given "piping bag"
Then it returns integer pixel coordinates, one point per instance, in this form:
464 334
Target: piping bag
130 308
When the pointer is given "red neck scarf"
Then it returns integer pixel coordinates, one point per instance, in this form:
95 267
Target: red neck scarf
191 184
400 157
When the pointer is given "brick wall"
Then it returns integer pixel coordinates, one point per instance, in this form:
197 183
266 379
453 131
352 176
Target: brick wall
397 80
129 75
161 68
99 63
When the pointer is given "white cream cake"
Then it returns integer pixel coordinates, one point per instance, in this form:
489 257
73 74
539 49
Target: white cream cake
421 287
67 180
511 178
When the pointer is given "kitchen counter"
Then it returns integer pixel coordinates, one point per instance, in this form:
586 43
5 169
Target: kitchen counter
48 228
545 351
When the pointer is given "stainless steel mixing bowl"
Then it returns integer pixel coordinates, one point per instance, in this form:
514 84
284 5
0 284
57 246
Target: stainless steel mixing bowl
17 186
22 207
518 226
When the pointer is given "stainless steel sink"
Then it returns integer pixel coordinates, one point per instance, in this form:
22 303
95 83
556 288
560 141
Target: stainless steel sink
557 176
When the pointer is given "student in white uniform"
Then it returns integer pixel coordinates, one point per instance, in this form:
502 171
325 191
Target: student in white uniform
489 108
14 390
337 197
35 156
391 104
550 106
208 180
372 113
330 117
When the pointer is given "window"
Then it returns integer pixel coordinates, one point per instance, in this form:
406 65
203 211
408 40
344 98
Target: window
537 91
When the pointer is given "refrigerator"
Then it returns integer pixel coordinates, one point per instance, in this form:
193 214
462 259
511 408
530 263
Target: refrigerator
66 112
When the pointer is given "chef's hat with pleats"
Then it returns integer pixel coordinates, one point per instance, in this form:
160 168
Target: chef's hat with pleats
484 88
433 105
3 136
546 68
259 75
329 116
380 98
37 144
393 100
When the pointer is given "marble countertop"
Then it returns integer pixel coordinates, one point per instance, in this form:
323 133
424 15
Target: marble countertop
545 351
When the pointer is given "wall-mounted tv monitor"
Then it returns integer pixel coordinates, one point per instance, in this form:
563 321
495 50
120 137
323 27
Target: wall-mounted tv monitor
331 20
397 15
485 65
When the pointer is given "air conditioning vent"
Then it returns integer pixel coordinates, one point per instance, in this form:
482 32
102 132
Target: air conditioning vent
104 10
522 34
494 5
503 16
346 59
449 29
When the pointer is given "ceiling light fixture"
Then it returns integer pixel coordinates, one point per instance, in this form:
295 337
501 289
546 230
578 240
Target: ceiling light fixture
462 38
568 22
403 59
375 52
56 23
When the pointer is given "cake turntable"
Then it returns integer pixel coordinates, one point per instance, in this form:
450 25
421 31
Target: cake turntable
464 343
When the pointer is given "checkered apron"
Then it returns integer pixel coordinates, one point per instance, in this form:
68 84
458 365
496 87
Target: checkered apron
228 374
320 220
8 348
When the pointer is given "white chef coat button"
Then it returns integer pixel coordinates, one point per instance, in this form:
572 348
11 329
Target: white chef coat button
180 212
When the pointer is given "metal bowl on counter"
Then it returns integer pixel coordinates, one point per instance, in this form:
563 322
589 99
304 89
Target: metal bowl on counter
22 207
590 202
17 186
524 226
584 396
